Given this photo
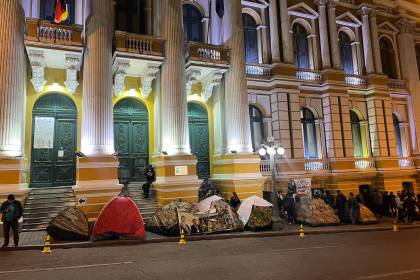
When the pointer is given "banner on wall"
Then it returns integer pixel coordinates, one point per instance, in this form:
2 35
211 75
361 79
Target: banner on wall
44 132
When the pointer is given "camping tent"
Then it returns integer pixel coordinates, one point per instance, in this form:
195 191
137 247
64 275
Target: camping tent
70 224
255 212
315 212
119 218
206 204
165 220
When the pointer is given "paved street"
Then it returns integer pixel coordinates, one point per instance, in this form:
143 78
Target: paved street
369 255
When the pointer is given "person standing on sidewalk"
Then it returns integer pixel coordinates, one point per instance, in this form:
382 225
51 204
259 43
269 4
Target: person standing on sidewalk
11 211
354 209
410 206
340 205
400 209
150 174
392 204
377 202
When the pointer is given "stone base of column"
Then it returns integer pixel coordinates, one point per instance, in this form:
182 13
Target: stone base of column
377 80
333 75
97 184
282 69
238 173
176 178
10 179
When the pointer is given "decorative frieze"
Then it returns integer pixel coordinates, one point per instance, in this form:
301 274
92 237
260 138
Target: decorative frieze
406 26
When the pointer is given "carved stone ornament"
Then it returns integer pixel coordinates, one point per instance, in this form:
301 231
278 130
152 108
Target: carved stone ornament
38 81
193 77
120 70
212 81
406 25
331 4
71 82
147 80
364 11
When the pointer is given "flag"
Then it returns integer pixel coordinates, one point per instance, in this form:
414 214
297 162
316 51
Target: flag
61 11
220 8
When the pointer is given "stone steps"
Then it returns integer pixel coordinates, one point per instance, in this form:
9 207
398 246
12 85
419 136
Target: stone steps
147 206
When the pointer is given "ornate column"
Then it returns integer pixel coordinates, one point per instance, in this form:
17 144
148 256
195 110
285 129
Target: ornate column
97 139
286 38
367 43
12 90
237 170
375 42
335 50
274 32
176 167
323 35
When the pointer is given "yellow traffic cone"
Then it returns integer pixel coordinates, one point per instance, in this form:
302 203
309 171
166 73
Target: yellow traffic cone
395 227
301 232
182 241
47 245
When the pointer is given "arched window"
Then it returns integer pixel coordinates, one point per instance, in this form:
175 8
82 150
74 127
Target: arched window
47 10
356 129
388 58
418 58
307 119
398 138
346 52
251 39
130 16
301 46
257 127
193 26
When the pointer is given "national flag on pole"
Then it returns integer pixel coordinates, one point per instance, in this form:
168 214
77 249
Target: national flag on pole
220 8
61 11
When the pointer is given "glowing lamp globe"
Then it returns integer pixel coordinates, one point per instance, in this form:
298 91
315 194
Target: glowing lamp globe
262 152
280 151
271 151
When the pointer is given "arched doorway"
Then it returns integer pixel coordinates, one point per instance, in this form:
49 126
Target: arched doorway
198 124
54 141
131 136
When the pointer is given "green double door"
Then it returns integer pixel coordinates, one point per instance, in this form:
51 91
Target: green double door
199 138
131 136
54 141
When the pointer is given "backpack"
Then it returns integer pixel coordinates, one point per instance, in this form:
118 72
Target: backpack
10 213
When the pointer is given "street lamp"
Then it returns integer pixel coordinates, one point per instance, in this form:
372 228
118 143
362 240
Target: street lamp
272 150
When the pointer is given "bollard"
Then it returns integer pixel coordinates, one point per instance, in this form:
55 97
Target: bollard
301 232
47 245
395 227
182 241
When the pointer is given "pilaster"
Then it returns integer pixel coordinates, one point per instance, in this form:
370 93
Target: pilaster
274 31
367 42
332 24
286 38
375 42
323 34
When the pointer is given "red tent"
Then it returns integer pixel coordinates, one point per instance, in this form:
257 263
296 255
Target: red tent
119 217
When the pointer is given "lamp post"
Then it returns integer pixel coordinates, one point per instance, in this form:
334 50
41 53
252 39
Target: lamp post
272 150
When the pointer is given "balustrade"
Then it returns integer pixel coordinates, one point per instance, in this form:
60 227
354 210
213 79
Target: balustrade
138 44
258 70
308 75
46 32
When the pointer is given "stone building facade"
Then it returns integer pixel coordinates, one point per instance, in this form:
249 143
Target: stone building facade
194 87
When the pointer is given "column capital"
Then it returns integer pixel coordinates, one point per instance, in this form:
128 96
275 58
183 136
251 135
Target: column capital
321 3
364 11
331 4
406 26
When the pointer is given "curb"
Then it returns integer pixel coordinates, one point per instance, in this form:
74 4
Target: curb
222 236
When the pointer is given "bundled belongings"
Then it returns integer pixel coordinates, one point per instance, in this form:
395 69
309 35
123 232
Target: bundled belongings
366 216
315 212
70 224
206 204
206 190
224 218
165 220
256 213
120 218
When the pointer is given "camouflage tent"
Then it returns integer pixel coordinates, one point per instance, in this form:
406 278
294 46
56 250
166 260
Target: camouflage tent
165 220
260 218
226 219
70 224
315 212
366 216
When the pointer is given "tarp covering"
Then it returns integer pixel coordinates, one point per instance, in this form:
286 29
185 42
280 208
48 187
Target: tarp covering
247 204
205 205
315 212
226 219
119 218
260 218
70 224
165 220
366 216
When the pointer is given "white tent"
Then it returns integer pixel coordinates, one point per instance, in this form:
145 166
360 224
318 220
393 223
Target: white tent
205 205
245 208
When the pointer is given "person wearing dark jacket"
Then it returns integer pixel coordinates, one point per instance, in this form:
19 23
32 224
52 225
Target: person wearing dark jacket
410 207
11 211
234 201
353 208
340 205
328 199
150 174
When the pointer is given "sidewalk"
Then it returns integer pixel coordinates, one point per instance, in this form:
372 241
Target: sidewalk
35 240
